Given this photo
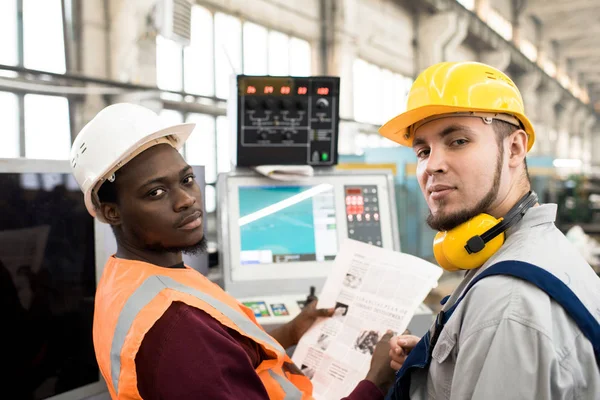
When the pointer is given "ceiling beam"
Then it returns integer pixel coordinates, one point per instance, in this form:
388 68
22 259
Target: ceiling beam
591 52
572 32
593 79
587 68
543 8
585 63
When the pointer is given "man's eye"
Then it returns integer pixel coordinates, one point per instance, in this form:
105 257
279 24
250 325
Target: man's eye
188 179
156 192
459 142
422 153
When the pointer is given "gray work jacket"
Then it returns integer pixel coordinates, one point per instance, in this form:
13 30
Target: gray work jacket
507 339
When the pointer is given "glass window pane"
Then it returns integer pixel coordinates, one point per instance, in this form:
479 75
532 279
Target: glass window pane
360 85
375 88
211 198
198 68
223 138
388 96
43 40
255 49
228 51
168 64
8 32
9 125
468 4
47 127
172 117
200 148
300 57
278 53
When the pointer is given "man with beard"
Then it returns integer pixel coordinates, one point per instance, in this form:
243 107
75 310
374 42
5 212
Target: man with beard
161 329
523 323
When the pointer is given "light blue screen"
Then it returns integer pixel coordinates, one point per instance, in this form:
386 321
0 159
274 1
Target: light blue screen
287 231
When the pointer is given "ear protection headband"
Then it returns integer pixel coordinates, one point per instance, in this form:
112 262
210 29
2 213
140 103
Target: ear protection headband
472 243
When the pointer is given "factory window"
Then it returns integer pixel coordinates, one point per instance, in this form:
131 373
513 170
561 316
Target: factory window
274 53
9 125
200 148
210 194
198 60
47 127
223 138
228 52
36 43
500 24
549 67
300 57
468 4
256 55
8 32
278 53
528 49
168 64
379 94
43 39
217 51
564 80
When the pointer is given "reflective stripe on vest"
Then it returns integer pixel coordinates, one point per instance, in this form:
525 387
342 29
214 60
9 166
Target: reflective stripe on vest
291 391
148 290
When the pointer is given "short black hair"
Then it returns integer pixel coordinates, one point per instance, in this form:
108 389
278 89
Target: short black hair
107 193
503 130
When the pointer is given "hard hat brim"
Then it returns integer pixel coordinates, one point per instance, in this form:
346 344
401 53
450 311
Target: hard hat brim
181 131
396 129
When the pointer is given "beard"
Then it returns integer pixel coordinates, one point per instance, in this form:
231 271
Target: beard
198 248
445 222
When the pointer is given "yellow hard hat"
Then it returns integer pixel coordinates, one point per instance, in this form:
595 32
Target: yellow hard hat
458 87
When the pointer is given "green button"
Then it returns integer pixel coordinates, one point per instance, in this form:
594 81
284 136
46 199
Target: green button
324 156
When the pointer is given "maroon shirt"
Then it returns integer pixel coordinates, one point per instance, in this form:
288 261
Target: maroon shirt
187 354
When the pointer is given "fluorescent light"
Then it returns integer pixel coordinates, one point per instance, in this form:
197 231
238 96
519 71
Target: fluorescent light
290 201
567 163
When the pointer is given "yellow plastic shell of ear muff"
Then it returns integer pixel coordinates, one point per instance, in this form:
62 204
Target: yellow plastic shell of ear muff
449 246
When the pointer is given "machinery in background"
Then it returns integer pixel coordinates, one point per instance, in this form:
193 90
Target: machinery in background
50 262
278 239
284 120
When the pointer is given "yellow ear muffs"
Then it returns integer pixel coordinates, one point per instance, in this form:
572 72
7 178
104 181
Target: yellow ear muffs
449 247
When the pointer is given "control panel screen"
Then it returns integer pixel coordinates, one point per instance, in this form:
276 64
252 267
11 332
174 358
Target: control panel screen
363 214
287 120
283 224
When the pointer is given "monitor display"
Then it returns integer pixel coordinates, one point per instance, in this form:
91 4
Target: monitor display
283 224
47 278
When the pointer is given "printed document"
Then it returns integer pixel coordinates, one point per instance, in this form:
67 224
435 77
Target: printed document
372 290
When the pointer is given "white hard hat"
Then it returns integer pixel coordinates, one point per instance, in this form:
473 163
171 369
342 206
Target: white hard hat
112 138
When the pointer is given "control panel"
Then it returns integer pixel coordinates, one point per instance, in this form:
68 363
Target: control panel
286 120
362 212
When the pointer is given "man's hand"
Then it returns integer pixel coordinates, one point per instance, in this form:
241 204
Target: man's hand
400 347
289 334
380 373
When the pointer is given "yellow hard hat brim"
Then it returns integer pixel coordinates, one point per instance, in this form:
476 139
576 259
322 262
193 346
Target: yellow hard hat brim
397 131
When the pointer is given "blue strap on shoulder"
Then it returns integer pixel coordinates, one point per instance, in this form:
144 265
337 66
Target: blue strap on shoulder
550 284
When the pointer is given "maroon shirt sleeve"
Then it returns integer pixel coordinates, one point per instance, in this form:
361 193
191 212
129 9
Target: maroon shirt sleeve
188 354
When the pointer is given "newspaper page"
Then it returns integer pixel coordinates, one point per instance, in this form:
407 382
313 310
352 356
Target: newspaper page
372 290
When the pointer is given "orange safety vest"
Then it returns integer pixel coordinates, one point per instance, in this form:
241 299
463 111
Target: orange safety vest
133 295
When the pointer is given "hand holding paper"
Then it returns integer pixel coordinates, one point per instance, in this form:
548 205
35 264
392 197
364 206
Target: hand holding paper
372 290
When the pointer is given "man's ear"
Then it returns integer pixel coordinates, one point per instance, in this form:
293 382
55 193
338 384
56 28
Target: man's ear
111 213
517 147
